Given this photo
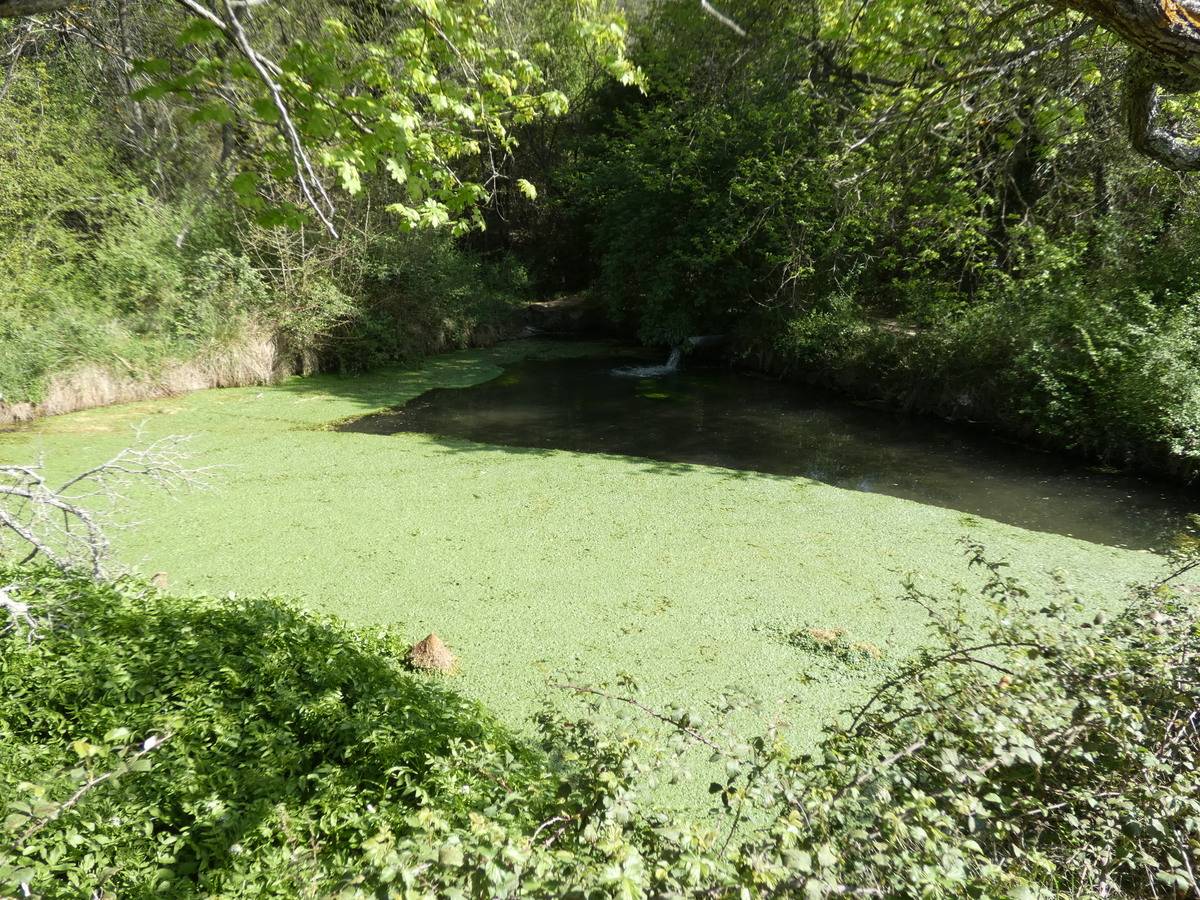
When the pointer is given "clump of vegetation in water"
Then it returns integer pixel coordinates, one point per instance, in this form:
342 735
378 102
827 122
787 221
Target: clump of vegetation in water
835 644
240 747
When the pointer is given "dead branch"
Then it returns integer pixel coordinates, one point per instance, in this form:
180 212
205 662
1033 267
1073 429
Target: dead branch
306 178
18 612
68 524
722 18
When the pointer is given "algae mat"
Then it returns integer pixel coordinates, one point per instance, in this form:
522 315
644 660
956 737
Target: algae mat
531 563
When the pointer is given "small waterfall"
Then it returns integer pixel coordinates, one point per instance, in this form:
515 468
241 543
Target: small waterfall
671 366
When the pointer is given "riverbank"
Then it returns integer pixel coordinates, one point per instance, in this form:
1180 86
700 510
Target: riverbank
252 359
1060 389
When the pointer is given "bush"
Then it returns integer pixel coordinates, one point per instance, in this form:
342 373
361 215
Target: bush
420 293
1046 752
242 748
290 747
88 257
94 276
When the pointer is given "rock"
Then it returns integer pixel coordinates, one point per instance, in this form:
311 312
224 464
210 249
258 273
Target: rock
432 655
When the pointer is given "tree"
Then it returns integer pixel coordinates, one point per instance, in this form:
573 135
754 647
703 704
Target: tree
1164 36
333 91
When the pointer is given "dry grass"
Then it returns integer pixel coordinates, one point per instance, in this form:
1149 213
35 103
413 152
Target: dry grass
252 359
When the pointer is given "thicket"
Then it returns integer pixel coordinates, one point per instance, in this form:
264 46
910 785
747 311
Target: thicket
242 747
102 268
905 201
902 200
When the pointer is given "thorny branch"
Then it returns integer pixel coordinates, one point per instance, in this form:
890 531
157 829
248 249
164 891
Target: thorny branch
650 711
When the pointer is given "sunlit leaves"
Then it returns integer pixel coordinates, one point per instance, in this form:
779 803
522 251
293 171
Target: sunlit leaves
432 88
527 189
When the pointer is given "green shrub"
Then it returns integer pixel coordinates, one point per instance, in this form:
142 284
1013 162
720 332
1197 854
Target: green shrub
420 293
88 256
291 747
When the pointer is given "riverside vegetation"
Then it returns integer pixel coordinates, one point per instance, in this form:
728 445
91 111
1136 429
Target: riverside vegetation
957 211
244 748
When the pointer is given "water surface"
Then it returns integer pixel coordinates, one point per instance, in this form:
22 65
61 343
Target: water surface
718 417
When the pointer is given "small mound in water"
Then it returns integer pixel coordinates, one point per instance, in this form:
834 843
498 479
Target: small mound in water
432 655
835 644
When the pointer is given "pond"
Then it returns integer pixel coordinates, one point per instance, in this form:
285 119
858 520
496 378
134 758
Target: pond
714 416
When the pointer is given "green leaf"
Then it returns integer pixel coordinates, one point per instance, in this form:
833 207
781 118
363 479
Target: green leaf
213 111
527 189
245 184
398 170
351 180
199 31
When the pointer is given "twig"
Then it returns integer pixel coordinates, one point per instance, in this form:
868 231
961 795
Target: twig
151 743
54 522
722 18
653 713
18 611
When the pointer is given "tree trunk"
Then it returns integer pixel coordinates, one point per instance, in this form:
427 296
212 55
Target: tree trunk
1166 31
1164 36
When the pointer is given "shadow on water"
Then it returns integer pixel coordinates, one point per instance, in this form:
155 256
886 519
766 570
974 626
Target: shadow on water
376 390
754 425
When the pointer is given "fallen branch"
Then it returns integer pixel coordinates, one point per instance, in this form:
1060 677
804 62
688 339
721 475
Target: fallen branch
18 612
58 523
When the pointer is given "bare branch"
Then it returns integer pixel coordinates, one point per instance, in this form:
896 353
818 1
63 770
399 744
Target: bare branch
151 744
60 523
17 611
306 178
650 711
722 18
